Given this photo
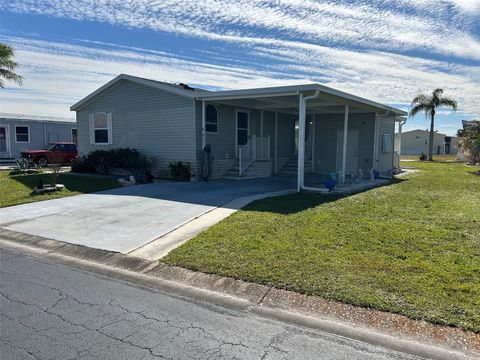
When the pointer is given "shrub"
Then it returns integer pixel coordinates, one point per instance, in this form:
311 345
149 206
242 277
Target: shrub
105 161
102 160
423 157
82 164
180 171
470 141
140 168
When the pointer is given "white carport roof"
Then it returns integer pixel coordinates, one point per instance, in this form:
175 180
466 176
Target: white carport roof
285 99
279 98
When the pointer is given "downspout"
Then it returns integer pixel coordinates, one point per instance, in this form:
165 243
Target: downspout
400 125
301 138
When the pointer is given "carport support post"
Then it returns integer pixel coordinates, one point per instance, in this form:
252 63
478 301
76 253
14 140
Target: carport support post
204 132
344 150
301 142
275 161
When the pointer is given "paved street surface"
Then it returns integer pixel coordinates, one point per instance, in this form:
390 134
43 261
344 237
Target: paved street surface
52 311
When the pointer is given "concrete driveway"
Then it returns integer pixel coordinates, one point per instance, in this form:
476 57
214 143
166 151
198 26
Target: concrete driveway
126 219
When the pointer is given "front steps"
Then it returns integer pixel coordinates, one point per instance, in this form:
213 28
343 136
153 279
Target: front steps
291 166
258 169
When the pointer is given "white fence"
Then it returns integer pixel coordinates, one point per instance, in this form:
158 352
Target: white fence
257 148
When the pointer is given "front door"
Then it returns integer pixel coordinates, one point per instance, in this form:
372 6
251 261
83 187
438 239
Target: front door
4 142
242 122
352 151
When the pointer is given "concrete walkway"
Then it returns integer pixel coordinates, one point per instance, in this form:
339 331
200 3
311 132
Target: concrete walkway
126 219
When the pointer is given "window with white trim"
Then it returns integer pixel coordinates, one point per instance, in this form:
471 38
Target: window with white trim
74 135
101 128
22 134
211 119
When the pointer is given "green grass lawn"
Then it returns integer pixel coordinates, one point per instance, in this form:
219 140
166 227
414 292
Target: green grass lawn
412 247
17 189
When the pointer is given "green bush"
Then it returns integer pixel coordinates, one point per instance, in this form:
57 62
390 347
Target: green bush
423 157
106 161
180 171
102 160
83 165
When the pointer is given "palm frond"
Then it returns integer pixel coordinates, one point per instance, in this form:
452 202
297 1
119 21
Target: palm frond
419 108
421 99
437 92
10 75
448 102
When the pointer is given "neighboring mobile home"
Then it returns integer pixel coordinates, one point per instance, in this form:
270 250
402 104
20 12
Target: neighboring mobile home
252 132
27 132
415 142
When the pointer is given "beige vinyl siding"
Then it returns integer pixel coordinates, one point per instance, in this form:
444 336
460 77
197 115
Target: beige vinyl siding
326 128
153 121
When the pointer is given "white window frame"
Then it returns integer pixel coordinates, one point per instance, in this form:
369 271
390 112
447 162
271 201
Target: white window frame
22 142
206 121
71 133
108 128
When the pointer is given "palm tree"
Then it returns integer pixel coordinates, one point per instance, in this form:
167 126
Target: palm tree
428 104
8 65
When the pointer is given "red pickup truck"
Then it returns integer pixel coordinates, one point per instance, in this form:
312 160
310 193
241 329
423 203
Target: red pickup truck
63 152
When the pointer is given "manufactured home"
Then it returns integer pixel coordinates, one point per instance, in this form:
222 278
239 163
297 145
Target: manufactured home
415 142
28 132
299 130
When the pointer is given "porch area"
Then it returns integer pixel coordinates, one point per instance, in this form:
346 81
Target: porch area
315 134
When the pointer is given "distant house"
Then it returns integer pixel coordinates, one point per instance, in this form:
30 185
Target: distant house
415 142
24 132
256 132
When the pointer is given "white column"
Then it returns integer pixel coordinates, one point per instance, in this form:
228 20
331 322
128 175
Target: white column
261 123
204 130
301 142
275 149
312 132
375 142
344 150
400 125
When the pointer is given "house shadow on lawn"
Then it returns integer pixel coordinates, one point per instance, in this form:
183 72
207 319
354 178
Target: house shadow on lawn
294 203
72 183
212 194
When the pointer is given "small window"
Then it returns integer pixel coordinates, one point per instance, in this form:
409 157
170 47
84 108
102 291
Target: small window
426 141
22 134
74 135
417 137
101 128
211 119
387 144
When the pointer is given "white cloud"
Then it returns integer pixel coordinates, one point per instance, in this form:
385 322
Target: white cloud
440 27
59 74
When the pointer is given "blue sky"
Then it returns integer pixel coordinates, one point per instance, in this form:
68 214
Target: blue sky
384 50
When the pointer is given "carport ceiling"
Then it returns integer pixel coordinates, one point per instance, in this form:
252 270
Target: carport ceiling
289 104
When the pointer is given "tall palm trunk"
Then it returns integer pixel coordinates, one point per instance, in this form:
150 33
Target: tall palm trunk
430 142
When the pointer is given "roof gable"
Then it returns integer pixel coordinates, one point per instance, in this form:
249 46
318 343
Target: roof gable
171 88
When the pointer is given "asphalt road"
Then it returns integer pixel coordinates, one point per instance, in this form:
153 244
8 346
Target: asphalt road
54 311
